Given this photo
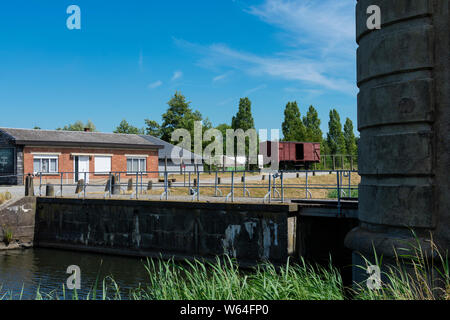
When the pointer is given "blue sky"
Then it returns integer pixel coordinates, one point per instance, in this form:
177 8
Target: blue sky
130 57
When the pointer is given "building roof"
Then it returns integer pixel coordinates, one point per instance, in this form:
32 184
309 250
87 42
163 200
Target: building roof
77 138
168 148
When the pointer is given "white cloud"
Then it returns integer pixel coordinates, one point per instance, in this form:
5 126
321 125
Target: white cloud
155 84
250 91
324 25
177 75
221 76
282 66
318 36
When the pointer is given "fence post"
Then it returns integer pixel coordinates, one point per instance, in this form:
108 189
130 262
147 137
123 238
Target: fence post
243 183
338 193
84 185
110 184
198 185
137 184
270 187
306 184
232 186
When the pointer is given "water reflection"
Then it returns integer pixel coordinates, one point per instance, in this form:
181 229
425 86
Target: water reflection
46 269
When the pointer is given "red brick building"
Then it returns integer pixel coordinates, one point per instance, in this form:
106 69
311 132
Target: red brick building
78 155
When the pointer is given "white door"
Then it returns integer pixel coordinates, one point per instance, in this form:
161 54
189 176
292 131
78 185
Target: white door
82 166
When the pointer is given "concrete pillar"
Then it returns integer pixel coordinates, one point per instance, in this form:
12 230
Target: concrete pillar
404 122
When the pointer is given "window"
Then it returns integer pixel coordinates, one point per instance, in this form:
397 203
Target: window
102 164
136 165
45 164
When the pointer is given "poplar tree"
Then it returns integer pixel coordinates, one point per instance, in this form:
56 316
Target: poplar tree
312 126
349 138
335 137
292 126
244 118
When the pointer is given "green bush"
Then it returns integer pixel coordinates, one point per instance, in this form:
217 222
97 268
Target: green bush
333 194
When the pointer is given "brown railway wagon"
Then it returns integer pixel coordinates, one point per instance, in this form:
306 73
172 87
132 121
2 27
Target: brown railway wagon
296 154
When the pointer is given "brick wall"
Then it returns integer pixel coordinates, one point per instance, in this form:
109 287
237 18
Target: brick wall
66 160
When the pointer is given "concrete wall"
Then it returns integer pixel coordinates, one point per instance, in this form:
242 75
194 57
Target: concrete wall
18 216
249 232
403 104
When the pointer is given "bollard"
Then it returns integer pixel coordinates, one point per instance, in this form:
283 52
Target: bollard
195 182
149 185
130 185
218 180
49 190
263 177
169 183
298 175
115 185
29 188
79 187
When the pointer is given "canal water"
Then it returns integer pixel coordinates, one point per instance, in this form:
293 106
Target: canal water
23 273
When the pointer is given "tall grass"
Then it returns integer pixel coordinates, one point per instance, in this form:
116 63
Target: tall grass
414 276
418 274
223 280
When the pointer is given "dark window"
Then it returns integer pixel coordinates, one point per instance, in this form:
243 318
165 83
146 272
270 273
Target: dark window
299 152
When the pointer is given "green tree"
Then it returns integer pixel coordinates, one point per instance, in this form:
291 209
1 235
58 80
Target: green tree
311 121
244 118
292 126
349 138
79 126
125 127
153 128
178 115
335 137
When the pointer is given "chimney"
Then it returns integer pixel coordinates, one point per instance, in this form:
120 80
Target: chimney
87 129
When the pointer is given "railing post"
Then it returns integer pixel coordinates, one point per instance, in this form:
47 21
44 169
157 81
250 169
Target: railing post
215 184
137 184
198 185
270 187
243 183
232 186
110 184
338 193
306 184
166 185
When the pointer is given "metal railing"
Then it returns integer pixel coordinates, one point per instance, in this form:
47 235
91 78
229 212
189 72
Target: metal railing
171 185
